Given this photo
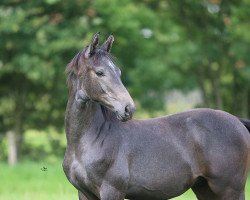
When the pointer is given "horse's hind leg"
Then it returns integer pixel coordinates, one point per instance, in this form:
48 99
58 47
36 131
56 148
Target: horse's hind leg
227 191
234 195
203 191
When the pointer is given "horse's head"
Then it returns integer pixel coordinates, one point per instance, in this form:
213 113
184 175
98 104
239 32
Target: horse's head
97 78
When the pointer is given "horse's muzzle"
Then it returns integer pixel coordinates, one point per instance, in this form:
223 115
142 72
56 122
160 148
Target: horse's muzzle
127 113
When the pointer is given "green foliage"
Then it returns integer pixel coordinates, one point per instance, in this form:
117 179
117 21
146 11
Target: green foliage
159 45
46 145
214 51
3 148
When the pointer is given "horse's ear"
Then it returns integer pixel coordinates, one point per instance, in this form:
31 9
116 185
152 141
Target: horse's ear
91 48
108 43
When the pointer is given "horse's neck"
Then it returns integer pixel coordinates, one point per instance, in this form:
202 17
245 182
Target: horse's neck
83 118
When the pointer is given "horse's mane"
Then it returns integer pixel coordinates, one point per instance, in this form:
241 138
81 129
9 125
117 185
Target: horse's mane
72 68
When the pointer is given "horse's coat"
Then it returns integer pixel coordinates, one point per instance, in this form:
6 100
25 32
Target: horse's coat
157 159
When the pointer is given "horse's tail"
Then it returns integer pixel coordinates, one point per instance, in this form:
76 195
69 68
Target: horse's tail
246 123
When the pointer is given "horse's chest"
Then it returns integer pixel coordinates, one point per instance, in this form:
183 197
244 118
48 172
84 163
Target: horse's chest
75 172
88 172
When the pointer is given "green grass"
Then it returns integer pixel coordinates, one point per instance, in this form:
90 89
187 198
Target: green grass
28 181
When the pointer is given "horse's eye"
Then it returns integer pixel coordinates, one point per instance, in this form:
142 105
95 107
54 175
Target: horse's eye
99 73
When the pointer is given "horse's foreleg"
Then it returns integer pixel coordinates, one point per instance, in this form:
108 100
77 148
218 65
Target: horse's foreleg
81 196
86 196
108 192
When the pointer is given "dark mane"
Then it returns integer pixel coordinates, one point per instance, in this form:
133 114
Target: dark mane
74 62
72 67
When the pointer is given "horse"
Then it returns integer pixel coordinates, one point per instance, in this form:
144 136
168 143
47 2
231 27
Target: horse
110 156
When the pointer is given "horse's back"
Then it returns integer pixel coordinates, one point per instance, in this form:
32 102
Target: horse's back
220 137
215 124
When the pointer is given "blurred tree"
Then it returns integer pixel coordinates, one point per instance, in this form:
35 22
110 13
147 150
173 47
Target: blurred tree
160 45
218 52
35 46
39 38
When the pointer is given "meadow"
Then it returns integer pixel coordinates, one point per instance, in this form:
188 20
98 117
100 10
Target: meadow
40 181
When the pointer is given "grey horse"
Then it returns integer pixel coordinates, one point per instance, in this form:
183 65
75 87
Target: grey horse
110 156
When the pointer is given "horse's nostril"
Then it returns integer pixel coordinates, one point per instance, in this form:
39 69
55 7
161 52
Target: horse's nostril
127 110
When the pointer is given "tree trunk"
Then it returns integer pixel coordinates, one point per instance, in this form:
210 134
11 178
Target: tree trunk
214 76
200 77
14 136
245 106
13 139
218 95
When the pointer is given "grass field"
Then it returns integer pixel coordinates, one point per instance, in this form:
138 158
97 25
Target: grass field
40 181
